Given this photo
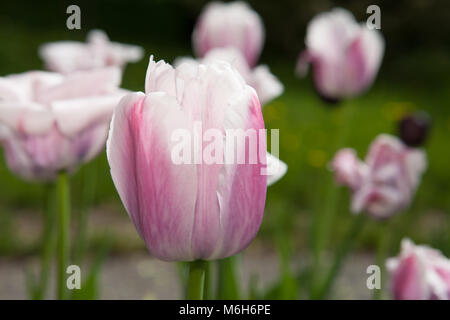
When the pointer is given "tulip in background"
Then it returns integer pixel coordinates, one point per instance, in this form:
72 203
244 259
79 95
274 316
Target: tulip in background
386 182
54 123
232 24
267 86
187 212
419 273
50 125
97 52
382 186
345 56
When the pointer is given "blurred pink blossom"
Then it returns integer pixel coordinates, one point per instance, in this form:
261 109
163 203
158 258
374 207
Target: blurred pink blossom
386 182
97 52
50 122
419 273
187 211
345 55
232 24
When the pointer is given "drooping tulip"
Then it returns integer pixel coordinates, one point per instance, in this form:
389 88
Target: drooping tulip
386 182
232 24
97 52
189 210
50 122
267 86
419 273
345 56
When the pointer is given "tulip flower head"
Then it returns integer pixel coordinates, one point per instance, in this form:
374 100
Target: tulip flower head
345 55
97 52
189 210
419 273
266 85
232 24
50 122
386 182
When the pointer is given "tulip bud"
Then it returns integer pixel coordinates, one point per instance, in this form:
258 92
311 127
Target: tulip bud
413 129
419 273
191 209
345 56
232 24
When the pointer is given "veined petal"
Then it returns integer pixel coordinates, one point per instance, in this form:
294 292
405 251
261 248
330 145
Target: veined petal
158 194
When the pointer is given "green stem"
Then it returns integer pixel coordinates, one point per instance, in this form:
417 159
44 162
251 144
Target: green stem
207 289
89 186
48 241
227 285
325 218
343 250
63 236
196 281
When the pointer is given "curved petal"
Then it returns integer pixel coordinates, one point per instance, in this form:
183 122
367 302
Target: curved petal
26 117
82 84
276 169
242 187
73 115
266 84
158 194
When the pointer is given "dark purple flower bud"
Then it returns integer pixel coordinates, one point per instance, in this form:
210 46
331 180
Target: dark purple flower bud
413 128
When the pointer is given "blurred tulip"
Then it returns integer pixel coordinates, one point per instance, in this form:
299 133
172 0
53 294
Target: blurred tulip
232 24
183 211
345 55
419 273
413 128
386 182
50 122
97 52
267 86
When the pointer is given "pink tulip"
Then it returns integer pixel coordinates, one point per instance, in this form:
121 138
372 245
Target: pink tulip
386 182
232 24
266 85
97 52
419 273
187 211
50 122
345 55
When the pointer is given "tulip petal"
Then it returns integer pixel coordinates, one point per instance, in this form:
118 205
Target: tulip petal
159 195
73 115
276 169
266 84
82 84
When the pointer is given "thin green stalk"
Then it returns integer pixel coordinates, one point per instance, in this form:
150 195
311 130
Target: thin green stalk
88 194
196 281
325 218
227 285
207 292
48 241
63 235
382 250
343 250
